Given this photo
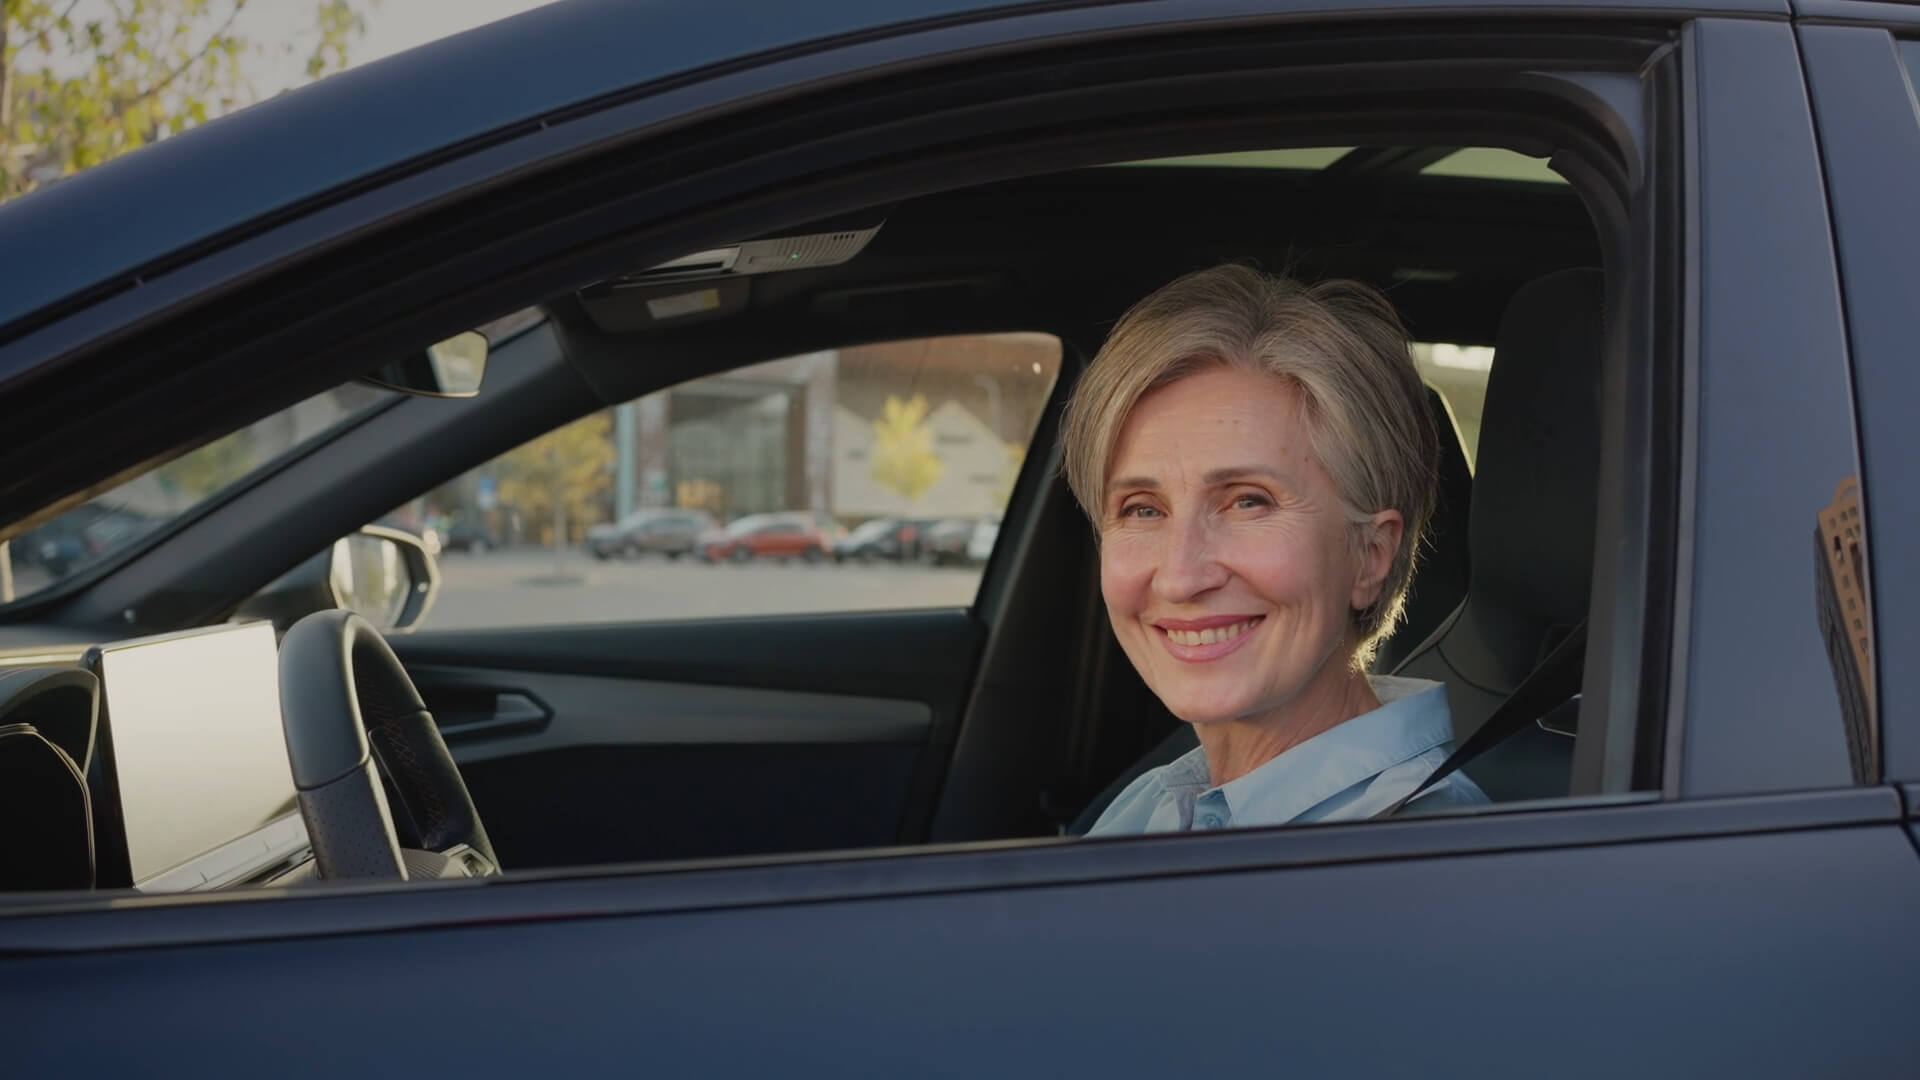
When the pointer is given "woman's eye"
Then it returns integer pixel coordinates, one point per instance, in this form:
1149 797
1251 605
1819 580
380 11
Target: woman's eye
1251 502
1138 510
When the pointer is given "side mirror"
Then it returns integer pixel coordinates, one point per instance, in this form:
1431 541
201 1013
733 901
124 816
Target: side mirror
385 576
449 369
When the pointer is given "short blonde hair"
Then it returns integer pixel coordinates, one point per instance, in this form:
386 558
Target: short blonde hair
1342 348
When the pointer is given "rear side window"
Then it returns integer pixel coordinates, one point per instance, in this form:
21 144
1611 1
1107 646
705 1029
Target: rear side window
1459 373
744 493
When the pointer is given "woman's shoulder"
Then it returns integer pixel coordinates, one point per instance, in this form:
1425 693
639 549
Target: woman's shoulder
1132 809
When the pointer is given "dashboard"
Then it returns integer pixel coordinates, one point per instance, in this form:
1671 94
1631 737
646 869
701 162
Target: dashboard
181 752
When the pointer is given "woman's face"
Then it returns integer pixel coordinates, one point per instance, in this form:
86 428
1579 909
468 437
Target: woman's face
1227 562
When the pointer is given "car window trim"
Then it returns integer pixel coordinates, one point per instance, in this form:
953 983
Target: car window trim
79 923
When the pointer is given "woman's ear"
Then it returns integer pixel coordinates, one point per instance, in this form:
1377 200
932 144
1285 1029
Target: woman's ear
1379 541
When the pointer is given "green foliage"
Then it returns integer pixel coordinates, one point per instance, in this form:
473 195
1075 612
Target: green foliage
211 468
573 463
83 81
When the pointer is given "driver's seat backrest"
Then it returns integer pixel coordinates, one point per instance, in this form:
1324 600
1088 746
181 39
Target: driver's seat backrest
1445 565
1531 527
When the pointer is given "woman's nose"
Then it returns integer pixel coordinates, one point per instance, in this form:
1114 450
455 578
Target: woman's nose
1189 564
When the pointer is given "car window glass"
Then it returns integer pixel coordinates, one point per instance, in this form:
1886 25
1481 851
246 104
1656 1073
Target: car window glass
572 527
116 520
1459 373
1475 163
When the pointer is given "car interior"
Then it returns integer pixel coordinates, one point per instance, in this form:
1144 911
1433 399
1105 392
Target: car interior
1017 718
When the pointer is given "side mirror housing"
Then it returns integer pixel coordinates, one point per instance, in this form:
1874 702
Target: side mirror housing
453 368
386 576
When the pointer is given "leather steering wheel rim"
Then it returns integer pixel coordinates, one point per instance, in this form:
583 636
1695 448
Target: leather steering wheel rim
351 711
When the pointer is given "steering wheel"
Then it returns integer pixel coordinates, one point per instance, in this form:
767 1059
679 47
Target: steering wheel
347 704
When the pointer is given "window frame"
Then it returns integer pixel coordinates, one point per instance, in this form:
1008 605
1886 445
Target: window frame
1527 828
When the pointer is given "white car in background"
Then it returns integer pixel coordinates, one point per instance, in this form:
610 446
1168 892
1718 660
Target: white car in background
980 544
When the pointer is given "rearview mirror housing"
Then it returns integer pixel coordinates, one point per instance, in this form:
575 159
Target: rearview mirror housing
453 368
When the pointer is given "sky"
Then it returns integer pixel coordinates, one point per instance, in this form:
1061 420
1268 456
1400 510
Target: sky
392 26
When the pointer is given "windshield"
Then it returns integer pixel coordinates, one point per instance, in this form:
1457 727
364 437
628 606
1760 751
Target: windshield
745 525
114 521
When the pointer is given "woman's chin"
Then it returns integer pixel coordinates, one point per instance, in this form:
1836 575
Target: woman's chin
1202 711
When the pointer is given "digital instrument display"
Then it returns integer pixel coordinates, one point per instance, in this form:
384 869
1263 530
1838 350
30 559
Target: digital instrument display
198 755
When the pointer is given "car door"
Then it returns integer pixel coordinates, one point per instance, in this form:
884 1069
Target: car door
1752 911
1862 66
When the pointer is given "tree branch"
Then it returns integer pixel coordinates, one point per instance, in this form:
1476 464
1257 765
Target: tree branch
121 106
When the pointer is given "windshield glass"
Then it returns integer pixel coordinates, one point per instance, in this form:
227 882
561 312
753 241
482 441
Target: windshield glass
114 521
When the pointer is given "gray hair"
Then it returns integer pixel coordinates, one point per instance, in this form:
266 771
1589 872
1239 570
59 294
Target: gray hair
1342 348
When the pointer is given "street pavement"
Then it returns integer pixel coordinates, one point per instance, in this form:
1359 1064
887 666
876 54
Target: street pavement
527 587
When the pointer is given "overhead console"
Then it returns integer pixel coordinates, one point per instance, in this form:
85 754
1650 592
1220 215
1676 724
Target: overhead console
716 282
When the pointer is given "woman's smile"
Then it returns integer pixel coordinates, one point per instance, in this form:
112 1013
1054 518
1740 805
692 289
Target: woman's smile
1202 640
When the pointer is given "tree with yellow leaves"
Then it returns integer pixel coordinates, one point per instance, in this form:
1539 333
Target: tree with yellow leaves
903 456
560 476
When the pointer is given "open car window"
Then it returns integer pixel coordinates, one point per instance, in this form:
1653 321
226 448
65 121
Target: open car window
864 478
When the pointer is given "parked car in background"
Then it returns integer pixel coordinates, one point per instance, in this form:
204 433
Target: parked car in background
472 537
945 544
55 547
768 536
881 538
672 534
986 532
666 531
77 537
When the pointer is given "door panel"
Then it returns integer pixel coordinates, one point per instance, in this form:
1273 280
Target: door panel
685 740
1870 141
1770 954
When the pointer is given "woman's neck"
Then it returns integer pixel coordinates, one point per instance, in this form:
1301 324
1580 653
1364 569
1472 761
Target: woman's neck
1237 747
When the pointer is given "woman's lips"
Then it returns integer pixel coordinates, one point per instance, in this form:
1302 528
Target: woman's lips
1198 640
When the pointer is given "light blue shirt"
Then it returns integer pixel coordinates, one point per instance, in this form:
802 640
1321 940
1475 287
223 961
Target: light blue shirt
1349 772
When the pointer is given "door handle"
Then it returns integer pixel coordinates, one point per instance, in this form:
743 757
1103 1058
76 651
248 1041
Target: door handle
489 714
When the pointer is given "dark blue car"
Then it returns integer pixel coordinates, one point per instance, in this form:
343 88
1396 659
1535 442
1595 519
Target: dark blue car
1661 261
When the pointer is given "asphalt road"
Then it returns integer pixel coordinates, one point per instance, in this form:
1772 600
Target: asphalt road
529 588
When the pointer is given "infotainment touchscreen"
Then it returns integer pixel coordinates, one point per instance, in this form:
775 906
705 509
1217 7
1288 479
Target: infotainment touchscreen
197 757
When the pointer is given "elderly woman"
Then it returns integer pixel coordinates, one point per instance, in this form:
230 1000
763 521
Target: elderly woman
1257 457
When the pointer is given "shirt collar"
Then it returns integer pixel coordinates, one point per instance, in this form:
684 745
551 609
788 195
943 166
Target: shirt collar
1411 720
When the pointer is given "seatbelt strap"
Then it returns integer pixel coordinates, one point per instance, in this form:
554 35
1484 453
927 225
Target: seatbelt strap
1553 682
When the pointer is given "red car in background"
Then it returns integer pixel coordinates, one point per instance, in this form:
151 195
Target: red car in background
761 536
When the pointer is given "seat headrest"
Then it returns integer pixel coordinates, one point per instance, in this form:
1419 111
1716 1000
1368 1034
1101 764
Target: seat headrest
1533 515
